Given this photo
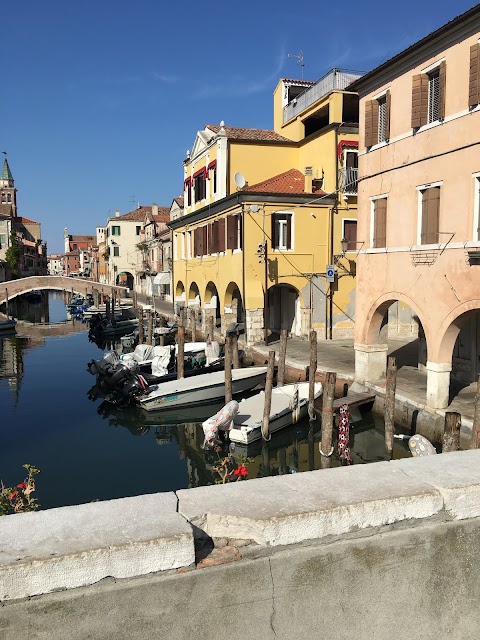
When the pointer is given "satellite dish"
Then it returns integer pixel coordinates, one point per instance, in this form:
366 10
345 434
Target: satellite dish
239 180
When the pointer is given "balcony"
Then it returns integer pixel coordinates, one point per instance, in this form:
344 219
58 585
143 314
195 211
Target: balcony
348 181
334 80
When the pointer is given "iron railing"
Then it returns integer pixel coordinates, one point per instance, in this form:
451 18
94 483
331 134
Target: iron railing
348 181
334 80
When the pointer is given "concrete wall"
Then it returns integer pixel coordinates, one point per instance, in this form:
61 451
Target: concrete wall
377 551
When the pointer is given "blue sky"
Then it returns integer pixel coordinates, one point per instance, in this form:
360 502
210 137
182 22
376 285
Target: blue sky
100 99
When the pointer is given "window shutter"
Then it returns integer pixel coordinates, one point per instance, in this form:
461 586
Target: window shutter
203 233
430 215
350 231
442 78
221 234
289 231
195 243
274 232
210 240
239 231
388 100
231 232
371 123
419 100
380 223
474 88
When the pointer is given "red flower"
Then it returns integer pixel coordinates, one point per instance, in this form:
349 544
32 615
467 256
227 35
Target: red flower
13 495
241 471
22 485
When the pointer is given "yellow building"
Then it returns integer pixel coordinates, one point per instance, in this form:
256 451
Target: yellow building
265 213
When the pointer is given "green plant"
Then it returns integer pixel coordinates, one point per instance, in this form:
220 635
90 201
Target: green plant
19 499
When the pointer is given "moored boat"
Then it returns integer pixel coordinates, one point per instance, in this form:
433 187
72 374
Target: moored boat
7 326
201 389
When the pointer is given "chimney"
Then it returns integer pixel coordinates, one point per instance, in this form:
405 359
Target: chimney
154 209
117 213
308 179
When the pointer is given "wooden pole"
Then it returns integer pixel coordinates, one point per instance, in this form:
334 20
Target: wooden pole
281 358
113 306
451 434
107 309
193 324
311 375
390 387
326 448
475 441
141 333
181 345
228 369
6 302
268 396
235 356
161 324
211 328
150 328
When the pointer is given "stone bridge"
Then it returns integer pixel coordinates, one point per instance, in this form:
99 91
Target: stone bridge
13 288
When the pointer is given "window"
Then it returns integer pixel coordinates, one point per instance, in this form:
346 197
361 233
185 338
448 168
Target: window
115 230
377 119
234 232
199 185
3 240
282 231
430 215
137 230
116 251
428 96
4 197
476 208
350 234
379 223
9 198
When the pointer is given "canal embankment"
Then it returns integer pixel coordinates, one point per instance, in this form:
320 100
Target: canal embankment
381 550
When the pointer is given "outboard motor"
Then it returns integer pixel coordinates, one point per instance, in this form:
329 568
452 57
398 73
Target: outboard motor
136 386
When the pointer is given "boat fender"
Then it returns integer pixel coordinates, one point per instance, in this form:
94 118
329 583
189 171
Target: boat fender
221 421
419 446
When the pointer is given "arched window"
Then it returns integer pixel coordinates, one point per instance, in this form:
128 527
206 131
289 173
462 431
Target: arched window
9 198
4 197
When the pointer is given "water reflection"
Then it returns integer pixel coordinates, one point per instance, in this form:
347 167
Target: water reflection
11 362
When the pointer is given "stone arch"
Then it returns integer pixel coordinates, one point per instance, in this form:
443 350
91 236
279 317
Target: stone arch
212 298
194 294
233 302
449 330
125 279
180 291
284 306
372 324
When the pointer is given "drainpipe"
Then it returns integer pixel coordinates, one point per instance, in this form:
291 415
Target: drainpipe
242 218
333 211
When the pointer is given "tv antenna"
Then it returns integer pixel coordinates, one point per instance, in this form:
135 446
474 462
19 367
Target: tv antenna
300 59
132 200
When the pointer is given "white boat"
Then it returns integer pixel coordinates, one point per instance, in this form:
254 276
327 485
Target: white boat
201 389
286 409
7 326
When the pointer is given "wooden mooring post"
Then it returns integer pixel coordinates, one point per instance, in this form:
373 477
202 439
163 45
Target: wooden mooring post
211 328
312 370
228 368
475 441
141 332
161 323
451 434
326 448
268 396
281 358
390 388
150 327
235 356
107 309
181 345
193 324
6 302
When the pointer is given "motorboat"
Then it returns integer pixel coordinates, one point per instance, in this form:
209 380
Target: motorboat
289 405
7 326
200 389
103 328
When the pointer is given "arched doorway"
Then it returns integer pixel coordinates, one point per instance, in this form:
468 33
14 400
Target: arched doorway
212 300
194 295
460 344
234 303
284 309
179 295
125 279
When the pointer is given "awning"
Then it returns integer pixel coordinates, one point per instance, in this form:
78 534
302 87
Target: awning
162 278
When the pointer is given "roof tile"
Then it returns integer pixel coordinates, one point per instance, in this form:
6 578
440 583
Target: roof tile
239 133
292 181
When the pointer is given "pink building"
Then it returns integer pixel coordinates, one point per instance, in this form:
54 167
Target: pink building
419 205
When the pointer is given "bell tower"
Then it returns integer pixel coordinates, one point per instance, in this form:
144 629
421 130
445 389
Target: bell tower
8 193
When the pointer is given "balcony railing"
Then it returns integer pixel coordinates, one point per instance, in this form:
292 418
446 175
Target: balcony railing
334 80
348 181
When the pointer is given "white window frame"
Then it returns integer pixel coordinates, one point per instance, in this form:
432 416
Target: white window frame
189 244
420 188
372 215
292 237
476 207
175 246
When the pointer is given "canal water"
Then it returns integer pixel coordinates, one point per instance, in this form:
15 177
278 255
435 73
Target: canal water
88 450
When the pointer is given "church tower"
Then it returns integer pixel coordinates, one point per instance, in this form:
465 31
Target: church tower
8 193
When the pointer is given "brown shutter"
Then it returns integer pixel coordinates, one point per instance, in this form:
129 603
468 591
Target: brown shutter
371 123
239 231
274 232
231 232
195 242
210 240
474 84
442 75
221 235
380 223
388 100
430 215
203 233
350 231
419 100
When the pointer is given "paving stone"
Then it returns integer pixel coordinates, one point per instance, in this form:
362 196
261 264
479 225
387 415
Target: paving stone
220 556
